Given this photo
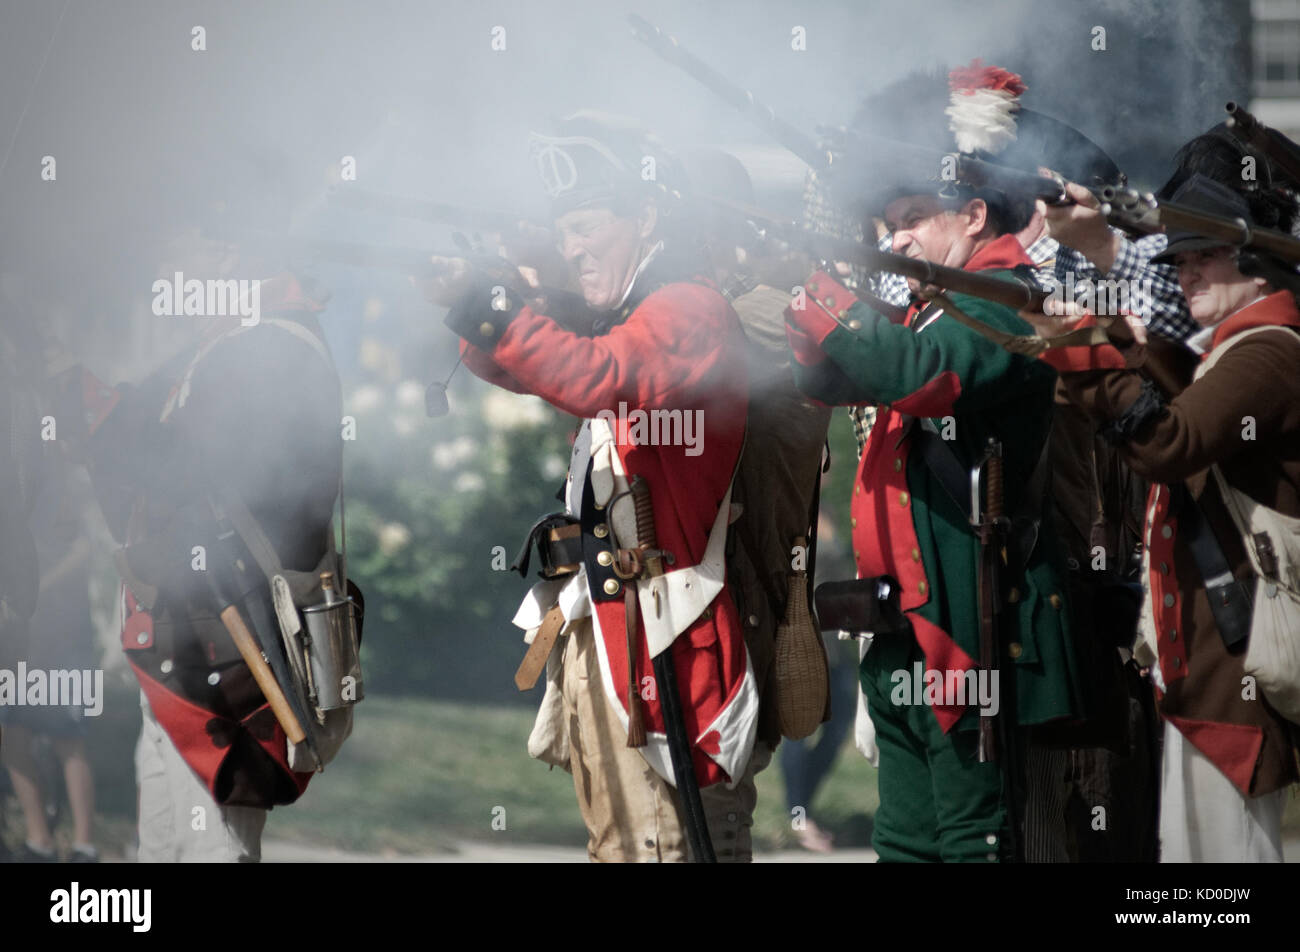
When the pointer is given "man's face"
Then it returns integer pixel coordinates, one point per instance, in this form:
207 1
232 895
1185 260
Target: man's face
1213 285
604 249
923 228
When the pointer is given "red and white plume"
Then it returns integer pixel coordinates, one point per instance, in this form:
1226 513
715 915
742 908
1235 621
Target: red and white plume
984 104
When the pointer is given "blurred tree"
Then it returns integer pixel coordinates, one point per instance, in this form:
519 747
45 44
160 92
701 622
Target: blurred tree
436 511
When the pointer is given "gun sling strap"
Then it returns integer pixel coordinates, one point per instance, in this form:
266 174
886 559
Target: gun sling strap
1230 601
940 458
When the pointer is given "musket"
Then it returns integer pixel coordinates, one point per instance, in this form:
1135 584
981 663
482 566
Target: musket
1276 147
666 46
997 742
670 698
1122 206
1017 293
1146 213
1130 209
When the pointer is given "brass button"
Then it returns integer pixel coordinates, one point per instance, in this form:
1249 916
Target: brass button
1175 663
916 554
486 329
902 498
1013 596
829 301
898 464
855 325
1164 568
600 531
1055 600
166 666
1167 532
857 489
753 621
1015 650
1173 634
611 586
142 638
920 587
811 286
1169 601
604 558
853 523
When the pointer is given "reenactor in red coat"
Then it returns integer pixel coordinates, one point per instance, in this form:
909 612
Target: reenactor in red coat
660 382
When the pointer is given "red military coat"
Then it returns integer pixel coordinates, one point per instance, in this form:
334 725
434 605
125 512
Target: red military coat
680 348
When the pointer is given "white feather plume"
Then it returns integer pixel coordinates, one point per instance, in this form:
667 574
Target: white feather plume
982 119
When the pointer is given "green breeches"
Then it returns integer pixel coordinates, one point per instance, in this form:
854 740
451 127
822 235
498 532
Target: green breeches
938 803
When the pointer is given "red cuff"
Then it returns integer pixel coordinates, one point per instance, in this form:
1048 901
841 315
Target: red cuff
826 300
804 348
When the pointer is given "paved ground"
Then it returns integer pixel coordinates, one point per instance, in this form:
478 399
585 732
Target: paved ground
481 852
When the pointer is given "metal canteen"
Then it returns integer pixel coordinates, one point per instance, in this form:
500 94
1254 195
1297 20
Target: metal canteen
332 651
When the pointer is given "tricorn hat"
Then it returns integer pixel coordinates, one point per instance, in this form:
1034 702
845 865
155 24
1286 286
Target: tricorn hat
597 157
1203 194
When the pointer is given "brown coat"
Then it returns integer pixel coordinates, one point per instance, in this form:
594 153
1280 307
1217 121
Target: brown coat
1210 422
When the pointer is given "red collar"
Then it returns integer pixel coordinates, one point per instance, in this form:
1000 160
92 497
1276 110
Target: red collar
1000 254
1278 308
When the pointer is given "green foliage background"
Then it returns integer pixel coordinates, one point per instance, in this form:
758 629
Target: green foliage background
436 509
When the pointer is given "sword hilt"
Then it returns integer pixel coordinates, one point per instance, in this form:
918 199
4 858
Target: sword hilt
646 537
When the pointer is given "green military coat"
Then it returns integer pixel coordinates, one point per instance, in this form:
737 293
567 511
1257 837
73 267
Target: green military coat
904 523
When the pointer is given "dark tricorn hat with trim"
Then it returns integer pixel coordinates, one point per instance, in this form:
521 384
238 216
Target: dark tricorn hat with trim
1203 194
597 158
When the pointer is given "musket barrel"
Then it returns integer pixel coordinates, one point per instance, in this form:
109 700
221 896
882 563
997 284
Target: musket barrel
1147 214
1016 181
1278 149
667 47
1013 294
